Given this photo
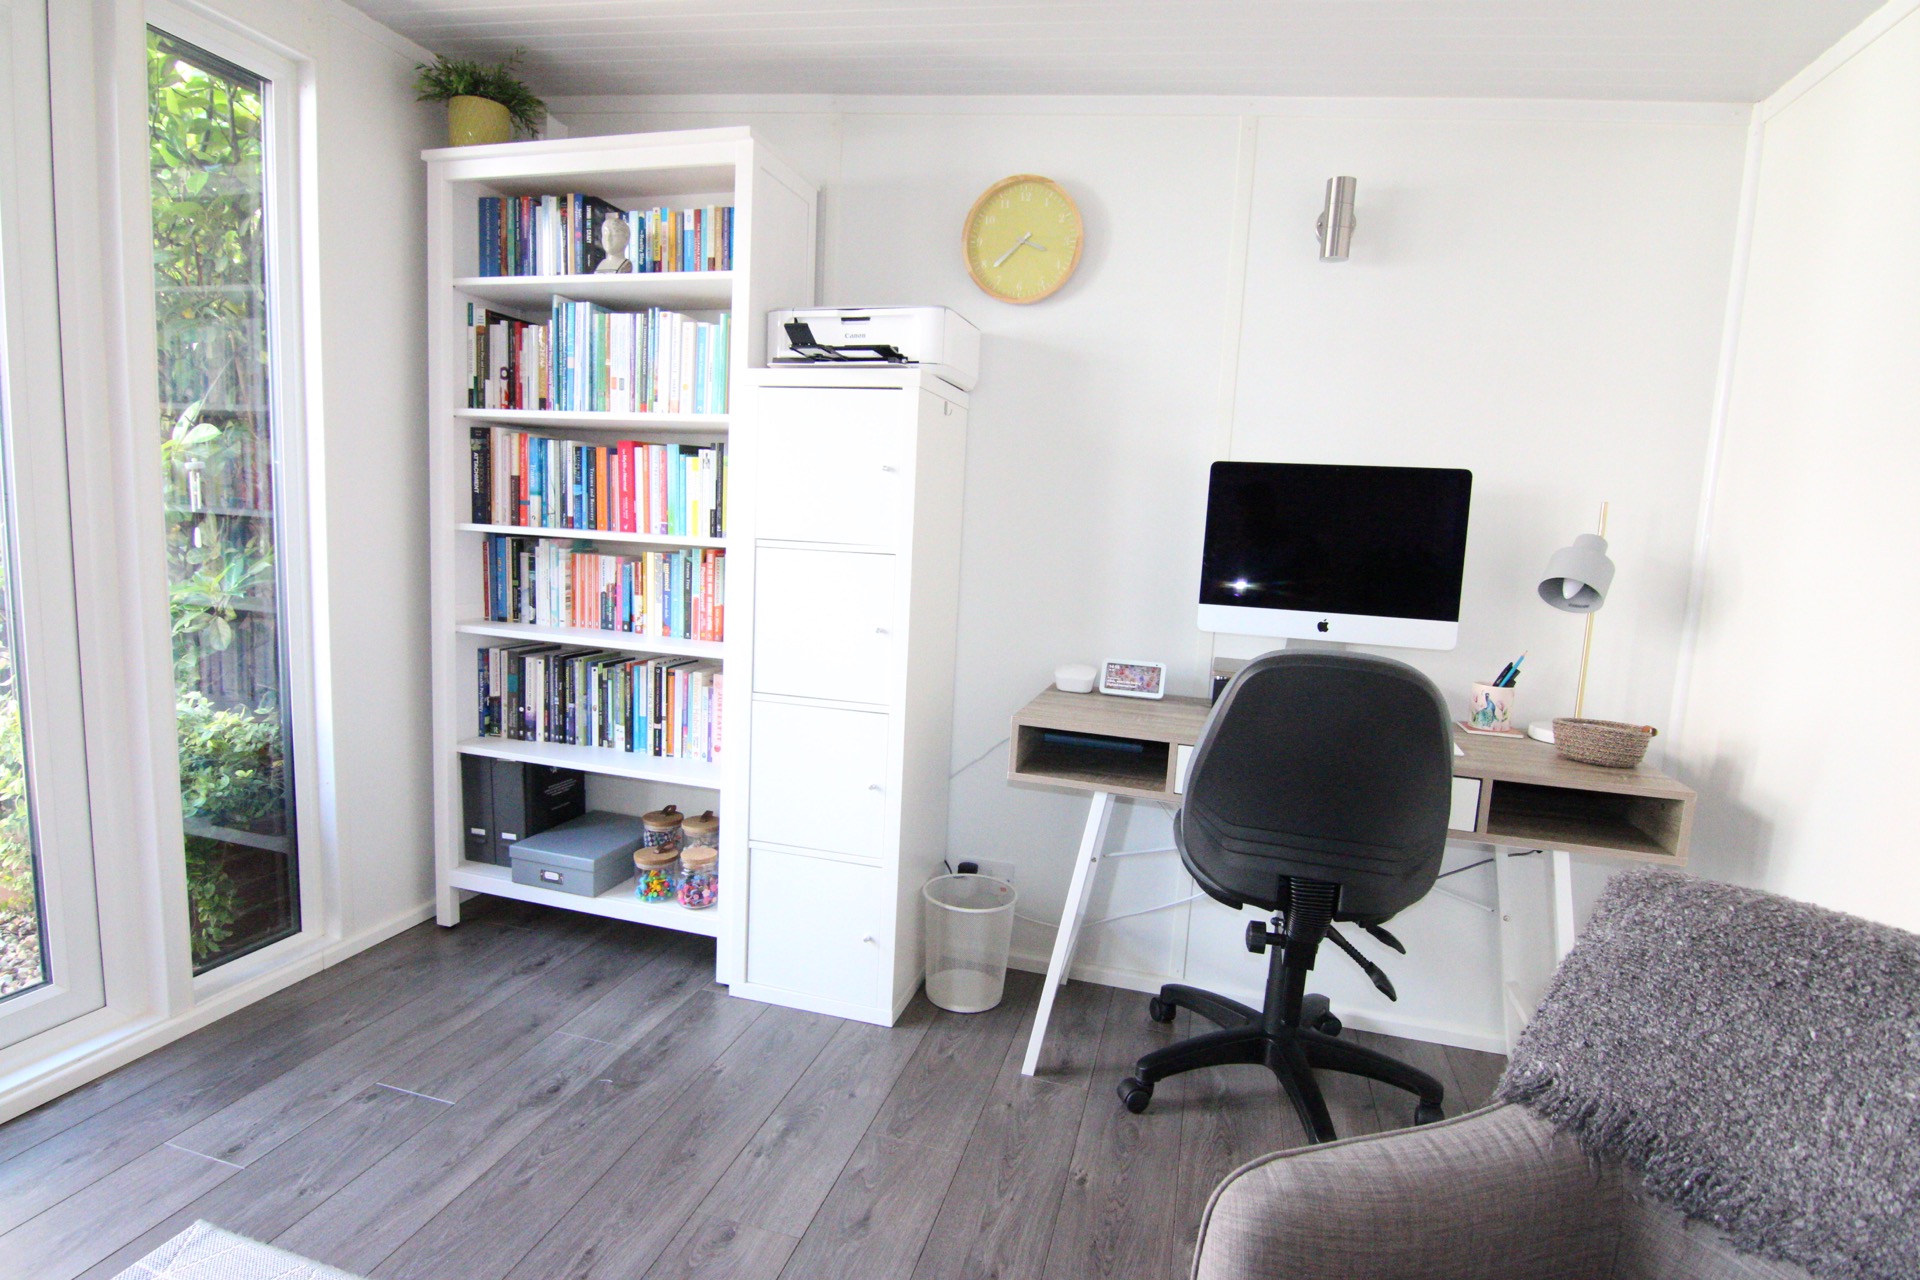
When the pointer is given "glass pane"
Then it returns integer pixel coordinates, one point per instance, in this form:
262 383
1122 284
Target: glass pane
22 951
210 223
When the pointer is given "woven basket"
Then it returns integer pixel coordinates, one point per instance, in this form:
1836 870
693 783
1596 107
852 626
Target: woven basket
1610 743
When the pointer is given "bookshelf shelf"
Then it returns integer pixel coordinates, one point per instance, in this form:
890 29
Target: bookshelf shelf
619 902
594 535
609 761
680 290
709 423
594 638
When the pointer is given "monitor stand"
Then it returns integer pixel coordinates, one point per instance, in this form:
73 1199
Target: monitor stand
1225 669
1317 646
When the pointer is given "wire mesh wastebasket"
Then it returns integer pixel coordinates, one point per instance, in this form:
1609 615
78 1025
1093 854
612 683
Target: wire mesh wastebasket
969 927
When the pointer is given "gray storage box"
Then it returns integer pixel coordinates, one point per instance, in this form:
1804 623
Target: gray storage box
587 856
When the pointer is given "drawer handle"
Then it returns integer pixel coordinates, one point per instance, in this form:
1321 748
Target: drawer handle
881 631
888 467
868 938
874 786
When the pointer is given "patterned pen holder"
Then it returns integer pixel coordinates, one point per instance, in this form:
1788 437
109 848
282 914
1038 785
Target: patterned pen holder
1491 709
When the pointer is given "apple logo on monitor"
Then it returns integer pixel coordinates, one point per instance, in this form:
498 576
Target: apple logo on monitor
1322 624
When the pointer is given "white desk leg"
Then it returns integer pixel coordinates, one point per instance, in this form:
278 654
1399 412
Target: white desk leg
1563 927
1512 1015
1092 840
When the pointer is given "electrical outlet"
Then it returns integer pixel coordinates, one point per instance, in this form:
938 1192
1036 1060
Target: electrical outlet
998 870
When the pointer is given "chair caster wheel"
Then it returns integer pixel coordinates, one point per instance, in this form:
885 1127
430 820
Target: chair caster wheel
1328 1025
1428 1113
1134 1095
1159 1010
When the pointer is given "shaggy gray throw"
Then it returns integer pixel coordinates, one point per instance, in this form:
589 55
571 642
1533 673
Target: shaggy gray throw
1756 1060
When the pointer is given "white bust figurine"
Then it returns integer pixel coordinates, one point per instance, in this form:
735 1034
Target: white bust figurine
614 234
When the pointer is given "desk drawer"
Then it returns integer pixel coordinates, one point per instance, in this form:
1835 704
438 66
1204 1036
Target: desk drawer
1464 815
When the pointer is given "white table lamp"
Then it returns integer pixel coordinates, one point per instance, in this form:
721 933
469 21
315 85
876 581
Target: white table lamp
1577 580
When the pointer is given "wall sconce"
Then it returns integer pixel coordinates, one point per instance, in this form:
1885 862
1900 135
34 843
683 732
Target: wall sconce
1335 224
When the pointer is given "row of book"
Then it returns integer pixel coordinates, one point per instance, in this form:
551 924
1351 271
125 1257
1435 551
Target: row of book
664 707
587 359
544 583
535 481
567 235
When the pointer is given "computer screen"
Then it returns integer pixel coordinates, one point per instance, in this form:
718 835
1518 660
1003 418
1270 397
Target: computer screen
1364 555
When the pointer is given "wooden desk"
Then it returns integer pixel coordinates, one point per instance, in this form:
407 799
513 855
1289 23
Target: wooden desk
1517 795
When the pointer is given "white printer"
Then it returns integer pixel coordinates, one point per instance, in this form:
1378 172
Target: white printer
936 339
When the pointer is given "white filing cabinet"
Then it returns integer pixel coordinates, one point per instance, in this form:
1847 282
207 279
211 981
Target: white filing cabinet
853 583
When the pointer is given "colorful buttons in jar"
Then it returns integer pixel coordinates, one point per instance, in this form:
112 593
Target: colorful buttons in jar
656 872
699 877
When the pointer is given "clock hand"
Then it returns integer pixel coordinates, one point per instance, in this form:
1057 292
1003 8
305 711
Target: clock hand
1016 244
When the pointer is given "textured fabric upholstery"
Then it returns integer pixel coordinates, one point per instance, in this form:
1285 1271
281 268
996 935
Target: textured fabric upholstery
1754 1060
1658 1243
1496 1193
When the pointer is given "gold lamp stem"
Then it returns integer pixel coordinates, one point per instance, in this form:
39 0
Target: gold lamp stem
1586 644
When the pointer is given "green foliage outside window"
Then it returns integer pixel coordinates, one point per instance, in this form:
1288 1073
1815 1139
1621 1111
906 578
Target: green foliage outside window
206 164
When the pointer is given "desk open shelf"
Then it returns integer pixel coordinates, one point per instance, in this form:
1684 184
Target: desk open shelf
1621 826
1112 764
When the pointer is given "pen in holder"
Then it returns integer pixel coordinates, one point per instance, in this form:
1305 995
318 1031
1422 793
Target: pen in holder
1492 708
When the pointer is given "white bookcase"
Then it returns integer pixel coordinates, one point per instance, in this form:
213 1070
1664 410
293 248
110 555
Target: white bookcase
854 565
773 268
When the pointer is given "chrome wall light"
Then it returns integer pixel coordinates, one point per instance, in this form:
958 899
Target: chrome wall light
1335 224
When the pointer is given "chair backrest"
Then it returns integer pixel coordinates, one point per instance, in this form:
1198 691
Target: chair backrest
1334 767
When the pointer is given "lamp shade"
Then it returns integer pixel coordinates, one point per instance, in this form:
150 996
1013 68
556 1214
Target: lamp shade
1578 576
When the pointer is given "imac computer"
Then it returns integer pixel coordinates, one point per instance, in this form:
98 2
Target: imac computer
1356 555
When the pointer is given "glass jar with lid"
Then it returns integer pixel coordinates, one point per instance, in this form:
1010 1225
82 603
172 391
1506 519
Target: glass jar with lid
700 877
656 870
661 828
701 831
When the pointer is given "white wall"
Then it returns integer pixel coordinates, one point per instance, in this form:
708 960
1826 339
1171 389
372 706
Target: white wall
1803 692
1535 293
366 404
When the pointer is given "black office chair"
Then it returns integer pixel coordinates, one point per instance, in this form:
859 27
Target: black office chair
1319 790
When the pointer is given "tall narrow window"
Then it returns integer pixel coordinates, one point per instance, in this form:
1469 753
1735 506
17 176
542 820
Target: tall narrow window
223 481
23 964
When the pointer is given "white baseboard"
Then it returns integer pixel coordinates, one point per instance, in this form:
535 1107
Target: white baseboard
379 933
88 1060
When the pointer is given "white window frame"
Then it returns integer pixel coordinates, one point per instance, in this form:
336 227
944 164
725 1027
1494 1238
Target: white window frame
287 105
44 590
104 283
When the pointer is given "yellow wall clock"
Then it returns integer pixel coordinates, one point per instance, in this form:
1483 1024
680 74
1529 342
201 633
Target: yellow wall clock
1022 238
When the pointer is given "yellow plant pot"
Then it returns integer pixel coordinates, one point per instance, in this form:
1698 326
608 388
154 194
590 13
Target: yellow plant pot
472 122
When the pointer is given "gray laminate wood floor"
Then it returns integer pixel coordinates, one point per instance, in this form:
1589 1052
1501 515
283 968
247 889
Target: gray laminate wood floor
540 1095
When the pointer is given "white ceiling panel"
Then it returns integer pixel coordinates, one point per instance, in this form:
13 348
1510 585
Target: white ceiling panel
1658 50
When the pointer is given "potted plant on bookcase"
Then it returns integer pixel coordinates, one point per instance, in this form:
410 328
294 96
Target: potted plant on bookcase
485 100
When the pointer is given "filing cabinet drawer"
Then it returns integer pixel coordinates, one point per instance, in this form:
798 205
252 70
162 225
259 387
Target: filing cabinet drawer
818 778
823 624
834 464
817 926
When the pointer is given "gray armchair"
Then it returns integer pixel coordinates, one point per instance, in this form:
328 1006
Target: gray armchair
1719 1083
1498 1194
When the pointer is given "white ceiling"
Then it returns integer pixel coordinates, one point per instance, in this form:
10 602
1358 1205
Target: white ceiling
1653 50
